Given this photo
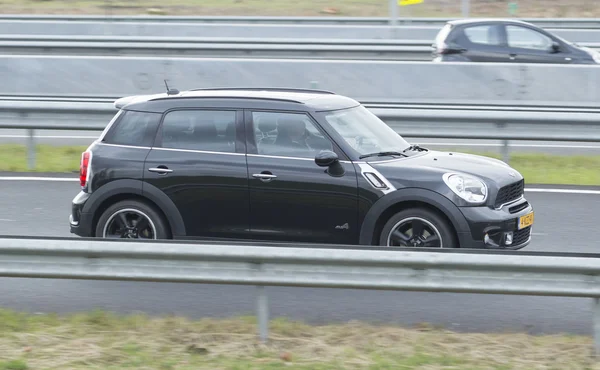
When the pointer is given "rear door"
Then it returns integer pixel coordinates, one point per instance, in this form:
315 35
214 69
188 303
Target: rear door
199 161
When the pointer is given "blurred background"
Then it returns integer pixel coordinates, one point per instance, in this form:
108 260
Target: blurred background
429 8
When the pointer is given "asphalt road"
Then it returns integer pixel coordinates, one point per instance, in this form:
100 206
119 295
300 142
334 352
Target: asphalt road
564 222
494 146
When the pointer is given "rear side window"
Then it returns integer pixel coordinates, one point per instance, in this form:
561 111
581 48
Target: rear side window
199 129
484 34
133 128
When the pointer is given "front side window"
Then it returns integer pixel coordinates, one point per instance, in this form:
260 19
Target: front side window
202 130
525 38
364 131
288 134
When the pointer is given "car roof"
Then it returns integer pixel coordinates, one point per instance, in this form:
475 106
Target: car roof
310 98
458 22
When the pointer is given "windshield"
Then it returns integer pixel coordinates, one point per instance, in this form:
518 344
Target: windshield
364 131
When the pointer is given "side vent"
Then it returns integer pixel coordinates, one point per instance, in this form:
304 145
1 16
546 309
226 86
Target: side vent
375 180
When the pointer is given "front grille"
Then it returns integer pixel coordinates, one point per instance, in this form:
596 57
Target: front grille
521 236
510 193
519 207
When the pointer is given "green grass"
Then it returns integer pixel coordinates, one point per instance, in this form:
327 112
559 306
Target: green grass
430 8
553 169
49 158
537 168
99 340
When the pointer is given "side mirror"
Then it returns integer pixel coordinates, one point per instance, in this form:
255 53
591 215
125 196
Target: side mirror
555 48
326 158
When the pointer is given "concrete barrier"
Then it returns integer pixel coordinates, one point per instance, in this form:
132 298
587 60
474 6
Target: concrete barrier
381 81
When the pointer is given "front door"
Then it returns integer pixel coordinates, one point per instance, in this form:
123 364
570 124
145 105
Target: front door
291 198
198 163
530 46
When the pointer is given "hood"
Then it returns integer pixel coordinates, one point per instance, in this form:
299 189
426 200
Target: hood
432 165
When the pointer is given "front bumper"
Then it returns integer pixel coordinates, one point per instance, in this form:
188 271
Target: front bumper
497 228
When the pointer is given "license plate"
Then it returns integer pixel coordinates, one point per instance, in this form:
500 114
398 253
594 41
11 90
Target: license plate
525 221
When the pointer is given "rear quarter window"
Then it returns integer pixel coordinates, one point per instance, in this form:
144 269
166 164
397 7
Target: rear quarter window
133 128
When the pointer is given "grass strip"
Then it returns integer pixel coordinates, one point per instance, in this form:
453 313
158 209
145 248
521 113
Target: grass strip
100 340
537 168
366 8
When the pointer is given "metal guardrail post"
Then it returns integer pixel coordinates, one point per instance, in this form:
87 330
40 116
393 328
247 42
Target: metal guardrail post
31 149
596 327
465 8
393 6
262 308
505 150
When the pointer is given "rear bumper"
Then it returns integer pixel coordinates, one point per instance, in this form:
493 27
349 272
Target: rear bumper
80 223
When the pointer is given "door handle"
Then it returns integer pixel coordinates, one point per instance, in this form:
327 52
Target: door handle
264 176
160 169
512 56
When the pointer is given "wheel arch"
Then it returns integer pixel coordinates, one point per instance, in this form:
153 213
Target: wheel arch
390 204
120 190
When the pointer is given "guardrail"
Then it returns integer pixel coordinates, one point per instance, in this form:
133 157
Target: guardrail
305 265
297 48
578 23
252 30
410 121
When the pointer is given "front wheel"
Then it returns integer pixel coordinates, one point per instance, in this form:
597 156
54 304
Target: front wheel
417 227
131 219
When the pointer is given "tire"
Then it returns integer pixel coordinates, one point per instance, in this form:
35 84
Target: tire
111 221
433 223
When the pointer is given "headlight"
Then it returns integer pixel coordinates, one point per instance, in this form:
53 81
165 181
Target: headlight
467 187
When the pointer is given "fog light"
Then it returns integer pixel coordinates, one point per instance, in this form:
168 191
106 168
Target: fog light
508 238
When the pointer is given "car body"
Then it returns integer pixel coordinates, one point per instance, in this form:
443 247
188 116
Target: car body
215 163
506 41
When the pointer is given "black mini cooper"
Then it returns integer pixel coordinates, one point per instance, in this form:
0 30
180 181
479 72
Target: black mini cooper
288 165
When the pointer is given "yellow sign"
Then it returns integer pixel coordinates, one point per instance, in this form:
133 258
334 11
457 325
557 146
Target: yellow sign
409 2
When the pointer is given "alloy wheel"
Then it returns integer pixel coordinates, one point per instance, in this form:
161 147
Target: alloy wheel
129 224
414 232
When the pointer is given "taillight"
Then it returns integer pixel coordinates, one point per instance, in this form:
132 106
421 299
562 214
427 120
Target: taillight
83 168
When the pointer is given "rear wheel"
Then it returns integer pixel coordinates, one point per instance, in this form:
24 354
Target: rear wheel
417 228
132 219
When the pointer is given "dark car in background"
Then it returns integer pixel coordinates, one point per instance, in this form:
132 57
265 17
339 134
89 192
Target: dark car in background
287 165
506 41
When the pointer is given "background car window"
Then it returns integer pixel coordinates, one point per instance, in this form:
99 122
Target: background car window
521 37
484 34
206 130
288 134
133 128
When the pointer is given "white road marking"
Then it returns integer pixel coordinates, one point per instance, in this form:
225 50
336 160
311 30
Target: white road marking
564 191
27 178
561 146
49 137
6 220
